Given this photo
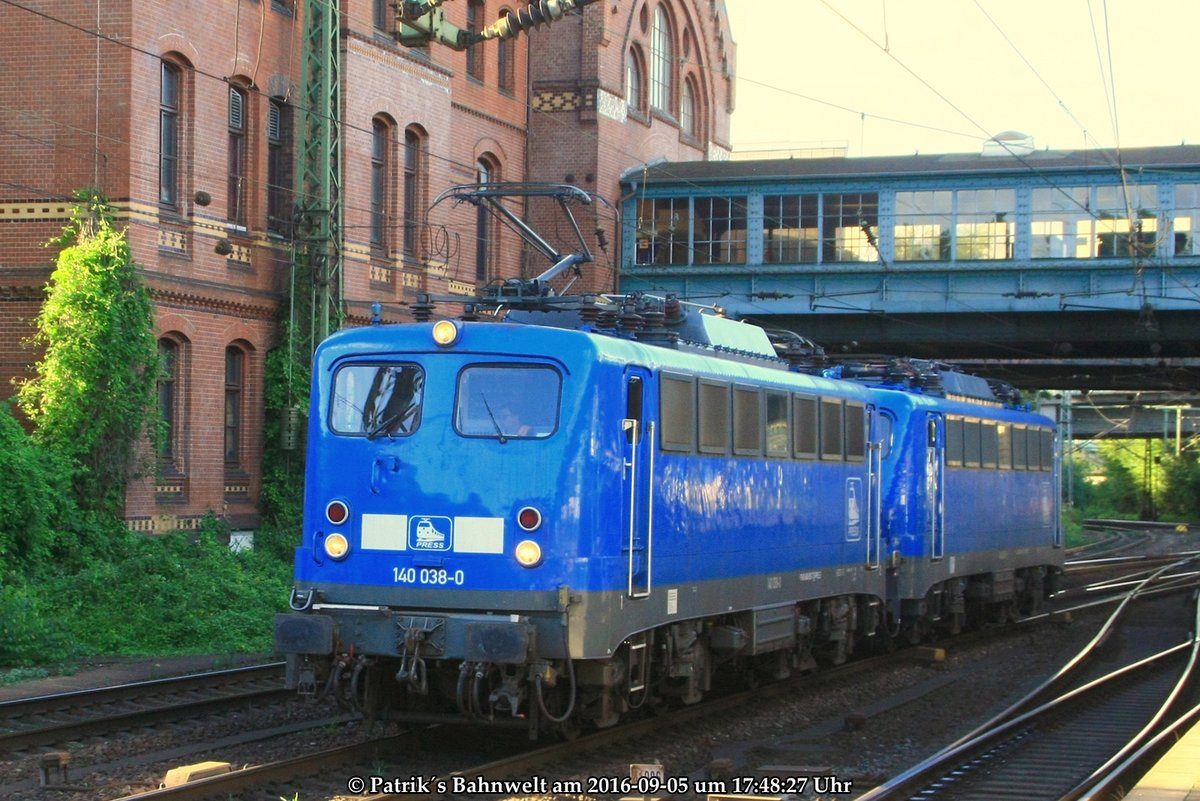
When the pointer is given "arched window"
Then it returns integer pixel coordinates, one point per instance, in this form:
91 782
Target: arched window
238 173
474 25
506 62
687 109
169 105
168 397
486 173
235 380
414 189
635 97
381 137
661 58
279 167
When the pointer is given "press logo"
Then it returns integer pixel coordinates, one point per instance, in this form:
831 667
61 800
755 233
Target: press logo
431 533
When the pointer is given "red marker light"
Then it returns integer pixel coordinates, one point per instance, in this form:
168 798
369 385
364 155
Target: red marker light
529 518
337 512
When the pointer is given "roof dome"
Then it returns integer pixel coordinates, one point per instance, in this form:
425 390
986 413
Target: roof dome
1009 143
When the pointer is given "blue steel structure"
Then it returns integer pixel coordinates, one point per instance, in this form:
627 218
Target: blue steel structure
603 503
1044 268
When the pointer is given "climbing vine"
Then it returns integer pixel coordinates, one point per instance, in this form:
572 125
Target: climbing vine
92 399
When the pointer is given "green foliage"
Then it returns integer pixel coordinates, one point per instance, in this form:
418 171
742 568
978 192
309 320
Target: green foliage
287 385
1180 499
184 592
92 400
37 513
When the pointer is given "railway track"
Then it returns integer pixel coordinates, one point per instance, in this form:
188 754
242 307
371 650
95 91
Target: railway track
1067 744
53 719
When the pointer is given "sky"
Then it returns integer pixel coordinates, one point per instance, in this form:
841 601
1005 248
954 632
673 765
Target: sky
895 77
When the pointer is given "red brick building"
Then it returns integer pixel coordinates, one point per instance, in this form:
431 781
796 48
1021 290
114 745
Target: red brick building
185 115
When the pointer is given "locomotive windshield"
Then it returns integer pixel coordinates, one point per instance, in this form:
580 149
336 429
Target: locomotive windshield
377 399
507 401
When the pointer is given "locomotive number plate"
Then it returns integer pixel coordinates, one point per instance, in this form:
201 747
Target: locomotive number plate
429 576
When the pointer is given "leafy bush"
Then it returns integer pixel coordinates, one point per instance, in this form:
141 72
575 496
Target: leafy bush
177 593
37 513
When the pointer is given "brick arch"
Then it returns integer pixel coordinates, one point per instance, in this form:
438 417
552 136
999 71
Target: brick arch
488 149
173 322
177 46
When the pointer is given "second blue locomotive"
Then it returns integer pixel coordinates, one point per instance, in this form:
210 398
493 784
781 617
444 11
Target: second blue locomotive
553 520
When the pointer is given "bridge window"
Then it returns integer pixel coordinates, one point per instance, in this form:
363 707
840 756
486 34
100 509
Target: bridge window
923 226
1186 223
663 231
1061 226
984 224
850 227
720 231
1099 222
1128 221
790 232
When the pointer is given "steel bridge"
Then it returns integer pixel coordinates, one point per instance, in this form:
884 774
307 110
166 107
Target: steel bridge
1049 269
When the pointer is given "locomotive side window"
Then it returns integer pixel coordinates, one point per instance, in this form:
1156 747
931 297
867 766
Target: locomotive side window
1004 433
991 445
954 441
1032 449
1019 450
856 431
714 417
747 421
507 401
778 429
831 430
804 422
1046 438
376 399
677 413
970 443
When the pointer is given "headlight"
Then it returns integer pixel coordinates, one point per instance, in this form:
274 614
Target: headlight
445 332
528 553
337 546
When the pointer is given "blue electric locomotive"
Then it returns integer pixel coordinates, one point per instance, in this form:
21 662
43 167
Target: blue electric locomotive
555 519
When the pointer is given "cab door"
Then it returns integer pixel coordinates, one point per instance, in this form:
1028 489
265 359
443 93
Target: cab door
637 440
935 489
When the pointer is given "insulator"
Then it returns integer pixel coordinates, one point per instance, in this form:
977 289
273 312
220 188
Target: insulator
531 16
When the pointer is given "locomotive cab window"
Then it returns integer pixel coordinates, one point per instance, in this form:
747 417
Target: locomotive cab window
376 400
509 401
